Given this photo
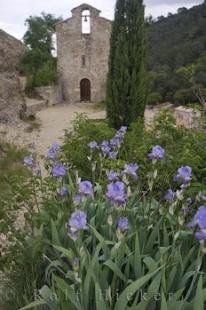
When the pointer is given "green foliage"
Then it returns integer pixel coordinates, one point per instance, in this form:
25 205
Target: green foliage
183 145
177 41
154 98
184 96
17 198
13 174
75 145
126 82
38 63
40 31
155 264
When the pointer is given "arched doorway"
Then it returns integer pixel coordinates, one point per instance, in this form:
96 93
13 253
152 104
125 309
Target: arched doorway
85 90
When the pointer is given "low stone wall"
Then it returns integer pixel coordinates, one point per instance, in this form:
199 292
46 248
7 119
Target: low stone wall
188 118
51 94
185 117
11 97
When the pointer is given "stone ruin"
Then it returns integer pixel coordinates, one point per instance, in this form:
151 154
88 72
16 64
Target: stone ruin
187 117
184 117
11 89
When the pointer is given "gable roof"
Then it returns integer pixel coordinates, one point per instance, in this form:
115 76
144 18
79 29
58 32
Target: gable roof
85 6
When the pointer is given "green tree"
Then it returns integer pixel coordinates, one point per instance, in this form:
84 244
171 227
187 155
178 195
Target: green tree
40 31
38 63
189 73
175 42
117 26
126 83
137 59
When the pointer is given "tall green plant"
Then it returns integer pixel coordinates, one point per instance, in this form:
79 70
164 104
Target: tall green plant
126 82
119 21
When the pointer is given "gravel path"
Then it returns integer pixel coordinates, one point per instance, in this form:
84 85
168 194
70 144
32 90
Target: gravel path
54 120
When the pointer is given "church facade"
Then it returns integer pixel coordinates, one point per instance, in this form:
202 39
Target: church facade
83 44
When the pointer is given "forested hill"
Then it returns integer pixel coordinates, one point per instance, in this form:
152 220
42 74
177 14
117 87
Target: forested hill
176 41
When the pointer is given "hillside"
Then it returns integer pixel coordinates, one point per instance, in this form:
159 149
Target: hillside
176 41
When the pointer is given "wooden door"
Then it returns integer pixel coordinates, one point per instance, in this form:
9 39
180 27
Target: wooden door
85 90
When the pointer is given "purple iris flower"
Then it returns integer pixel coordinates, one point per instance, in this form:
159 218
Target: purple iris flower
184 175
77 199
93 145
77 221
105 148
115 142
58 170
170 195
113 155
86 188
199 220
121 133
104 143
64 191
123 129
157 152
123 224
53 150
29 161
201 235
112 175
131 169
116 193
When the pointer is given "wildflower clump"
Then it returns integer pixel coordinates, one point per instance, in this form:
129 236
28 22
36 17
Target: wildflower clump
115 233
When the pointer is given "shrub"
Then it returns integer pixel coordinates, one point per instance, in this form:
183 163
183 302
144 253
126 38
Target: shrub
75 146
44 76
183 145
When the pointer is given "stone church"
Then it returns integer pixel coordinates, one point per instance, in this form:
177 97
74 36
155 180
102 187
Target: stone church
83 44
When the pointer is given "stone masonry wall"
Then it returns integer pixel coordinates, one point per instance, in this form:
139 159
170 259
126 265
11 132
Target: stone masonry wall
72 45
51 94
11 99
11 50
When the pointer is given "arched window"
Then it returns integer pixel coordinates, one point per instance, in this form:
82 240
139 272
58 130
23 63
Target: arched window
86 22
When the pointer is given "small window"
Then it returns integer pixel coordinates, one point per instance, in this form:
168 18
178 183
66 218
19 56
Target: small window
86 22
83 61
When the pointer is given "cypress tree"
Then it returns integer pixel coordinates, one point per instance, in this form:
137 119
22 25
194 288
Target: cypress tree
137 59
126 83
117 26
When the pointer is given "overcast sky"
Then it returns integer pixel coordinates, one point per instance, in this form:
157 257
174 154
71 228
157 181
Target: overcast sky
14 12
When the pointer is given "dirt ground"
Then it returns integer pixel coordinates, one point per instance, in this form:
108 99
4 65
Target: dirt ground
53 121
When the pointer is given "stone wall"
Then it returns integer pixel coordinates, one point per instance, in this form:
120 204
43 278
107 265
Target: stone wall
11 50
11 87
188 118
51 94
11 97
72 45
